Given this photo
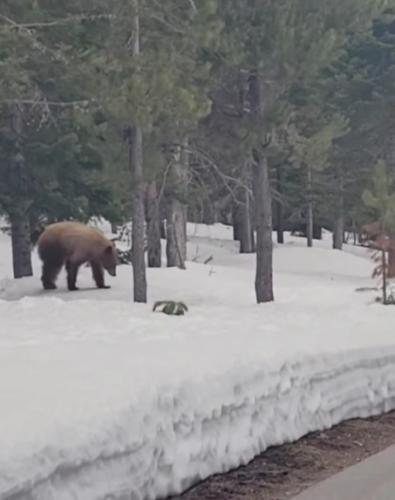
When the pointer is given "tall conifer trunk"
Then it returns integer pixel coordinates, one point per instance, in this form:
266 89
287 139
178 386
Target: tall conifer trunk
153 226
279 205
136 167
247 244
338 226
176 210
309 208
19 215
263 198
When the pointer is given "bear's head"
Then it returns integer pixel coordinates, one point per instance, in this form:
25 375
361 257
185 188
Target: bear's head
110 259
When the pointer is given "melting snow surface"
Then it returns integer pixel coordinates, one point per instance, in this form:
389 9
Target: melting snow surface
102 399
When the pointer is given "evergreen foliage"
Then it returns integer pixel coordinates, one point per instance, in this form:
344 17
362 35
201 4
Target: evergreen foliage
381 199
235 102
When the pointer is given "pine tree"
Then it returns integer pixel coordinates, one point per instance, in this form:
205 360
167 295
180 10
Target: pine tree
312 154
162 93
381 199
359 85
280 43
43 99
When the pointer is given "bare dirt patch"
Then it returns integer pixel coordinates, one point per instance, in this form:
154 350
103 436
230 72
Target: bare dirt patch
283 472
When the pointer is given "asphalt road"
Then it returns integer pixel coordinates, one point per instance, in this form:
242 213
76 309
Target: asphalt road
372 479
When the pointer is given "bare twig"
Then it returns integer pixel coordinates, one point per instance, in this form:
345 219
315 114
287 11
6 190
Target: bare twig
193 5
164 180
56 22
45 103
226 179
166 23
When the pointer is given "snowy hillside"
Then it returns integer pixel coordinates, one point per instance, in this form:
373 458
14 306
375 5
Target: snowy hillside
102 398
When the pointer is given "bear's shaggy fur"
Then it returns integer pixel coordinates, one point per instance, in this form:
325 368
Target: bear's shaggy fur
73 244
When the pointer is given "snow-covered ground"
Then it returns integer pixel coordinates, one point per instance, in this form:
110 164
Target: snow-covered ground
103 399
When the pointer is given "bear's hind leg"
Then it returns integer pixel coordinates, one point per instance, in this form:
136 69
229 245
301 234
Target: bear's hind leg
50 272
98 275
72 271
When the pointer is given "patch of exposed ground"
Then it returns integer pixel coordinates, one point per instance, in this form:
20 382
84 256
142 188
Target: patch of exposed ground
283 472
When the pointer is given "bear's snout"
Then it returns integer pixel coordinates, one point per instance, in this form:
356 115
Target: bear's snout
112 271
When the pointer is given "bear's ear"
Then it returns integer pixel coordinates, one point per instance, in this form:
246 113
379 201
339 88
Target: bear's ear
109 250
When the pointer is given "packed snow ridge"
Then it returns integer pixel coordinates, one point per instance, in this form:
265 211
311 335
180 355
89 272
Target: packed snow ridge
102 399
163 445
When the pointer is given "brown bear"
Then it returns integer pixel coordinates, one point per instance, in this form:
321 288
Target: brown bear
73 244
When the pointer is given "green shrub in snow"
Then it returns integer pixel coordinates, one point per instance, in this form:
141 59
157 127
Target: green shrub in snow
171 307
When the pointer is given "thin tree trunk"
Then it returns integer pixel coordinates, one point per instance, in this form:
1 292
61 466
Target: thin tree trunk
21 247
264 247
246 229
338 228
338 232
384 267
171 245
138 217
153 227
176 237
19 216
261 95
310 216
176 213
279 206
236 221
208 216
136 166
162 228
391 261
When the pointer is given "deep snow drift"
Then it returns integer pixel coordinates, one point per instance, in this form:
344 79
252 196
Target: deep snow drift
102 399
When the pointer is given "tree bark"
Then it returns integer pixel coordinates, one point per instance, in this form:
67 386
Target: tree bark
261 96
264 247
21 247
338 227
136 166
176 237
384 276
176 212
236 221
138 217
391 262
153 226
279 206
309 214
208 216
162 228
19 214
338 232
245 224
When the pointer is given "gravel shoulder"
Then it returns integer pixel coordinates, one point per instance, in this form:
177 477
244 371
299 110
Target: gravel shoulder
283 472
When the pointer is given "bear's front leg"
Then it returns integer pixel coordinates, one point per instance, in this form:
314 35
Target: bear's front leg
98 275
72 271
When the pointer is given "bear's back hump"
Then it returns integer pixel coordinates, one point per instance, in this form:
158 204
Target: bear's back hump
73 234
